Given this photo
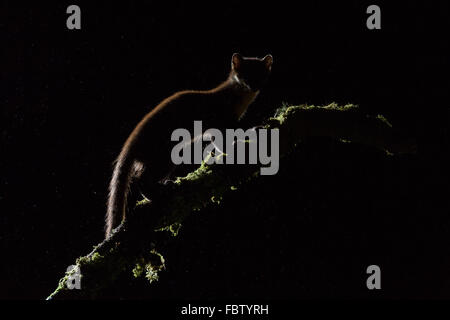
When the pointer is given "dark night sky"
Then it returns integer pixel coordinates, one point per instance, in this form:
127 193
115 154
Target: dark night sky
70 98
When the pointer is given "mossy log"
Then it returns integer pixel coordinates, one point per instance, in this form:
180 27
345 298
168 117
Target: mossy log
133 246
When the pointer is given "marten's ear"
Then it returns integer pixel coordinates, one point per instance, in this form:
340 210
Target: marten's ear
268 60
236 61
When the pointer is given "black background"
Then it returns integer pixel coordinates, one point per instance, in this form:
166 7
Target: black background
70 98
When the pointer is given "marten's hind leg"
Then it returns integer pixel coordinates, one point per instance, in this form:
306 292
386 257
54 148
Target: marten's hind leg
150 183
135 193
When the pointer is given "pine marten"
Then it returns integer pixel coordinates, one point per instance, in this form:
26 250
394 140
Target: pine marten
148 146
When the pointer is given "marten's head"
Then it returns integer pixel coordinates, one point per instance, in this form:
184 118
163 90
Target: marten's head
251 72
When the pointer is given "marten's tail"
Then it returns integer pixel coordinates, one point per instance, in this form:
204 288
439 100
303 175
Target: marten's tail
118 190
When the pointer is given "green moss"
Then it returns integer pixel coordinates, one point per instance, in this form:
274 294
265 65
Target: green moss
152 269
150 266
281 110
335 106
151 274
142 202
204 169
61 286
95 258
173 229
138 270
282 113
383 119
216 199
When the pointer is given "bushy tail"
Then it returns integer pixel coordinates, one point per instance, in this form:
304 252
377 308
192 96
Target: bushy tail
118 191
